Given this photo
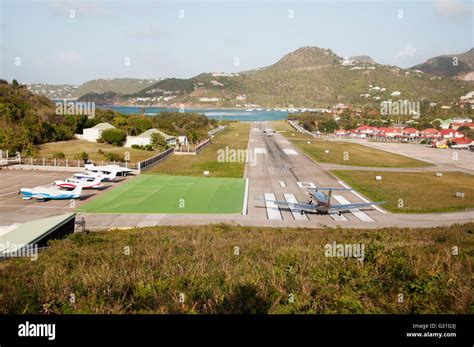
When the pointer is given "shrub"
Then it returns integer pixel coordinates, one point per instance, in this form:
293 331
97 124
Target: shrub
149 147
59 155
112 156
115 137
81 156
136 147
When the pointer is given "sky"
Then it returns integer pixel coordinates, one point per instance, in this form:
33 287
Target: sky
71 42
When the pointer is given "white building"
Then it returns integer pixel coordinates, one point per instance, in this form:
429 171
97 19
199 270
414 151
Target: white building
94 133
145 138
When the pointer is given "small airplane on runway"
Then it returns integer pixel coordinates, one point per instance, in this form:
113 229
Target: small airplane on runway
320 203
108 169
86 183
50 193
92 175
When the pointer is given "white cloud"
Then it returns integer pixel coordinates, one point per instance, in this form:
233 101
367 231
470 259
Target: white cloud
453 7
70 57
150 33
77 9
407 51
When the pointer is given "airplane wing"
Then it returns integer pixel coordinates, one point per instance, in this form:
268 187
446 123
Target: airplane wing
294 206
352 206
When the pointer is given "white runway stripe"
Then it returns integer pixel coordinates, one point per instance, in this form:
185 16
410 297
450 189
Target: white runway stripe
297 215
355 211
273 212
361 197
338 218
290 151
282 184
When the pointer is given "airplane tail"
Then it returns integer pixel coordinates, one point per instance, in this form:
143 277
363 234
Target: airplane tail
78 190
112 175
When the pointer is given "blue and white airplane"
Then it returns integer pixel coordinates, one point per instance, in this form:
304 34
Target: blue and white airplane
320 203
50 193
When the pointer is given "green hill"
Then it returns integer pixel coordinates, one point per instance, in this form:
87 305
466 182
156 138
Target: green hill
307 77
447 66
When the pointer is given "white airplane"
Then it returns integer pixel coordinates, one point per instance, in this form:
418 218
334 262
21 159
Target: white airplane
91 175
50 193
322 203
119 170
86 183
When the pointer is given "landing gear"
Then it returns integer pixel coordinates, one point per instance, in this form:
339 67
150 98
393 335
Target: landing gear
339 213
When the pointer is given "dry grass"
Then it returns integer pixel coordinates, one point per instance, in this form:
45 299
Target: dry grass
344 153
73 147
235 136
202 265
414 192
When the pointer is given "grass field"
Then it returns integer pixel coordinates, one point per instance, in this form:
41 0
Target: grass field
230 269
171 194
235 137
420 192
73 147
344 153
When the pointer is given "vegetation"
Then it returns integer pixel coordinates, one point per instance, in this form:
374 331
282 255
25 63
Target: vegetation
414 192
444 65
115 137
310 77
158 142
95 151
235 137
346 153
231 269
324 123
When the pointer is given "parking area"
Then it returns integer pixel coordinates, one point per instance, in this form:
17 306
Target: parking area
13 209
450 159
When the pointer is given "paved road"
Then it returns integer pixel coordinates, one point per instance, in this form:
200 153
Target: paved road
444 159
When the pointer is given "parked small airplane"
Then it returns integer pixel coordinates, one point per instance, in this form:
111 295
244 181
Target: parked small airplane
50 193
86 183
320 203
119 170
91 175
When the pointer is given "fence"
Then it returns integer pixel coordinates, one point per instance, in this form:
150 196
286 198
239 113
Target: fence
52 162
216 130
142 165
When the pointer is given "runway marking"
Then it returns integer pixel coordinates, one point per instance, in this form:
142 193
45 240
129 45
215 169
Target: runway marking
16 185
260 150
361 197
15 192
355 211
285 141
273 212
290 151
257 130
282 184
306 184
338 218
297 215
246 197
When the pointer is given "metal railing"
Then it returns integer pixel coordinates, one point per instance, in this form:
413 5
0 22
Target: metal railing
147 163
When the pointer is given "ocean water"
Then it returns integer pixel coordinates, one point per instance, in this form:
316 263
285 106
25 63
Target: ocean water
220 114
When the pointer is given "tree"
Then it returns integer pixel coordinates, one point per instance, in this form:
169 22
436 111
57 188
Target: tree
115 137
158 142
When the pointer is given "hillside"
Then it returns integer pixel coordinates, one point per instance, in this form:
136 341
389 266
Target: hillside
115 85
231 269
444 65
307 77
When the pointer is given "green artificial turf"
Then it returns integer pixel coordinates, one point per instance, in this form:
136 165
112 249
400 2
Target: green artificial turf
171 194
